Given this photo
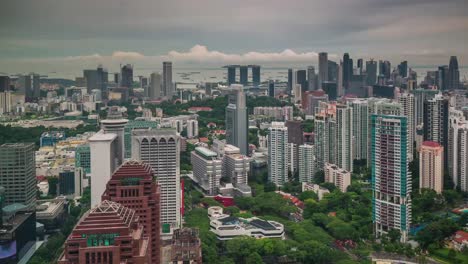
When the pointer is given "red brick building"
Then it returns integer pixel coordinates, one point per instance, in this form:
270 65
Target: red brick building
107 234
133 186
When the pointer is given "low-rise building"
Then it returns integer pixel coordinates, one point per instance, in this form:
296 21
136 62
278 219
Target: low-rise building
317 189
460 240
206 169
186 246
51 213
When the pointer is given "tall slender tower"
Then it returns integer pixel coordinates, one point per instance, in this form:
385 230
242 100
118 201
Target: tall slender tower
454 74
323 68
307 164
160 149
436 122
407 106
115 124
391 178
155 86
237 119
167 80
278 153
347 70
344 149
360 127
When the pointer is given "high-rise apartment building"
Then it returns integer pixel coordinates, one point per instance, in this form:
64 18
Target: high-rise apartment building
167 85
391 177
420 96
18 173
408 106
458 149
360 128
107 233
344 137
278 153
436 121
311 79
341 178
307 166
431 166
237 119
323 68
132 185
160 149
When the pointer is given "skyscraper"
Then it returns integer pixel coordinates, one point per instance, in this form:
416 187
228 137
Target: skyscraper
160 149
311 78
360 128
255 75
271 88
442 78
385 69
431 168
290 80
132 185
301 78
391 177
4 83
207 169
278 153
244 75
96 79
407 106
155 86
237 119
167 80
192 128
347 70
18 174
420 96
333 69
458 149
371 70
403 69
453 74
344 146
323 68
115 124
30 86
436 122
307 164
126 73
231 79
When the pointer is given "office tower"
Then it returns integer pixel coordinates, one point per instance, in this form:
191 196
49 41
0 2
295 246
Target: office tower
244 75
66 182
231 79
344 137
385 69
407 106
18 173
83 158
311 79
134 125
115 124
420 96
104 160
307 166
391 177
341 178
403 69
132 185
333 69
453 74
436 122
107 233
347 70
431 168
117 79
360 66
96 79
323 68
255 75
206 169
271 88
186 246
442 78
192 128
331 89
339 80
167 86
371 70
160 149
301 78
457 148
155 86
126 73
237 119
297 93
290 80
4 83
278 153
30 86
360 128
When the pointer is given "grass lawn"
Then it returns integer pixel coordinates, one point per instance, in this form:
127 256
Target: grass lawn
442 255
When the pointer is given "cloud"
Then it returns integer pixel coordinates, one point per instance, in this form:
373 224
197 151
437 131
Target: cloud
127 55
202 54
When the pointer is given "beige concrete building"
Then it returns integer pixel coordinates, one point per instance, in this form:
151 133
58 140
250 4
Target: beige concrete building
431 166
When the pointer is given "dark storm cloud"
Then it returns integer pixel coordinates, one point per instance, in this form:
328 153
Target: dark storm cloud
61 28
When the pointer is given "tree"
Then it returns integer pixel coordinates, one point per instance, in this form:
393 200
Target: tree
269 187
308 195
394 235
254 258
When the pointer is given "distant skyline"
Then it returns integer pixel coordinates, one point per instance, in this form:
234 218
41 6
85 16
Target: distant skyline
56 35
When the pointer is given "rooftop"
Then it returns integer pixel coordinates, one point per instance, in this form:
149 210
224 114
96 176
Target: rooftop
100 136
431 144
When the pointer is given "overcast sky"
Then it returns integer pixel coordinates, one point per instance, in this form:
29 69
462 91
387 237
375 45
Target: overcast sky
54 35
